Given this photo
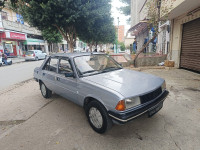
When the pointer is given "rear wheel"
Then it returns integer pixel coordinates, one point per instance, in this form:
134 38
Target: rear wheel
46 93
36 58
98 117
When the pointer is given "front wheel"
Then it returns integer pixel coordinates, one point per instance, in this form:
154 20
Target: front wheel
98 117
46 93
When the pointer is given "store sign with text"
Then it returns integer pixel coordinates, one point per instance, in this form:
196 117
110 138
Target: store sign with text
18 36
13 35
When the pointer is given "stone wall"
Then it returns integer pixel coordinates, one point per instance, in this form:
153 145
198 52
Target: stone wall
150 60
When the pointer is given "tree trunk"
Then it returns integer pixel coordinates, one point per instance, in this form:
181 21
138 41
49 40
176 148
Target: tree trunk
142 49
69 34
90 46
101 47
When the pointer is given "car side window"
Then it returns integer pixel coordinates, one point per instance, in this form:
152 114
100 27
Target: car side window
51 65
64 66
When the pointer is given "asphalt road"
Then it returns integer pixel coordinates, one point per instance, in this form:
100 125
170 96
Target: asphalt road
16 73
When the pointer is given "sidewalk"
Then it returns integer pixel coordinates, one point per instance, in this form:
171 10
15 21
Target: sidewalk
17 60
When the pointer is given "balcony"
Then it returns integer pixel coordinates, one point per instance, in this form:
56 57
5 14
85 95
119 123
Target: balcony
15 26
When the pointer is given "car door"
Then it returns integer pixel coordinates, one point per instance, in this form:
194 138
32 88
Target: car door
66 81
49 73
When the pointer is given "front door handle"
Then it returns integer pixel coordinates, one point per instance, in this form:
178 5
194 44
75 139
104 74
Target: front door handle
57 78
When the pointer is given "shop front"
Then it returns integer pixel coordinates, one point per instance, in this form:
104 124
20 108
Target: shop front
11 43
34 44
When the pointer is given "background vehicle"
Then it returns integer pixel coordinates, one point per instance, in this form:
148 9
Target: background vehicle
35 55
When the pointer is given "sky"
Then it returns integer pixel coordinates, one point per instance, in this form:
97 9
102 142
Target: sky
115 13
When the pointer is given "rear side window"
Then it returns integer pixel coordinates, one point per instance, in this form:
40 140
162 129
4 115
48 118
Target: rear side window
51 65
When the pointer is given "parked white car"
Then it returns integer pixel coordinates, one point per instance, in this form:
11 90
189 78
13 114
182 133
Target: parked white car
35 55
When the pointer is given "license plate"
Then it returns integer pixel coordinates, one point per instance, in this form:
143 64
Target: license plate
155 110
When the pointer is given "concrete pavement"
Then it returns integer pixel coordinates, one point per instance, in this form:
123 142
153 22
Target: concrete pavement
59 124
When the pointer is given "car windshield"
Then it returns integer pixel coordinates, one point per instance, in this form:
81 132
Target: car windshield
95 64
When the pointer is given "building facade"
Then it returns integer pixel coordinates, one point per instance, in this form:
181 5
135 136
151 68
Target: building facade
121 33
139 27
185 34
16 36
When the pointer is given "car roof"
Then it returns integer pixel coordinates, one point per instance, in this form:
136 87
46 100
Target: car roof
72 55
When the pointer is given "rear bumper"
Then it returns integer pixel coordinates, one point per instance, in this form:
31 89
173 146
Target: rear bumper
128 115
29 58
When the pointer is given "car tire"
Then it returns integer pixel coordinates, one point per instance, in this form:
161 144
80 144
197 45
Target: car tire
10 63
36 58
46 93
98 117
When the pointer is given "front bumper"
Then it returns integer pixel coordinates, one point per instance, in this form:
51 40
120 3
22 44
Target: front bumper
130 114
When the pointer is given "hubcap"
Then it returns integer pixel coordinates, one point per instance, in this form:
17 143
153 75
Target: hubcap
95 117
43 89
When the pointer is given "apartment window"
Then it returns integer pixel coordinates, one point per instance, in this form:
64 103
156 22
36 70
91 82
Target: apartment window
4 15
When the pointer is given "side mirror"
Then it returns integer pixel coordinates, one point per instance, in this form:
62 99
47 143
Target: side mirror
69 74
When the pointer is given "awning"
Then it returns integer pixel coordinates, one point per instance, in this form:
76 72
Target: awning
138 28
31 41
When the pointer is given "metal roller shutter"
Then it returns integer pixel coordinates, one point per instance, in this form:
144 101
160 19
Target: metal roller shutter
190 49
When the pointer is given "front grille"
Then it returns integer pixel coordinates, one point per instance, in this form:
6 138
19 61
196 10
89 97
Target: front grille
150 96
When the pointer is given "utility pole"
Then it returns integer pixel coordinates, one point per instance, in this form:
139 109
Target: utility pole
117 35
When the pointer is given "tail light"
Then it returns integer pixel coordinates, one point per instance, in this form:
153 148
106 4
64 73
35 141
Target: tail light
34 54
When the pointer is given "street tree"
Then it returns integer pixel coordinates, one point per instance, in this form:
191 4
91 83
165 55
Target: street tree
126 9
99 28
52 35
156 13
65 15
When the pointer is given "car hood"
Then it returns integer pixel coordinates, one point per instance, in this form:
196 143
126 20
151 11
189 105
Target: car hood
126 82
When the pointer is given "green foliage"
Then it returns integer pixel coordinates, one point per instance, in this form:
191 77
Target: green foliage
126 10
98 28
69 17
122 46
51 35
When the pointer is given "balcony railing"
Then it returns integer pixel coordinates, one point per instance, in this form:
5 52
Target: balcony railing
15 26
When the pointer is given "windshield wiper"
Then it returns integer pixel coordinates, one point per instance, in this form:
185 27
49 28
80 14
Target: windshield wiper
110 69
90 71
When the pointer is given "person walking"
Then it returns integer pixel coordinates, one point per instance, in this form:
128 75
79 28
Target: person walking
135 46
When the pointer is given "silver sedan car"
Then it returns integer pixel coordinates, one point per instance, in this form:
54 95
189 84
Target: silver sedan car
107 92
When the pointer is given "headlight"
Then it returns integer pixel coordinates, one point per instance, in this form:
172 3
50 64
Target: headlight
131 102
163 86
127 103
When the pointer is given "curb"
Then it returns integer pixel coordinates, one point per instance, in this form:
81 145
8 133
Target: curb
12 87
